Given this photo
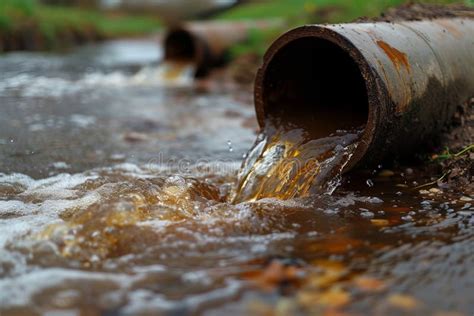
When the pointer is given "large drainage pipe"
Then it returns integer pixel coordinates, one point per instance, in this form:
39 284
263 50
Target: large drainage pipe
400 82
205 44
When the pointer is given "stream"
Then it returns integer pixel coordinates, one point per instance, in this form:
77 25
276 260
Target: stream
114 200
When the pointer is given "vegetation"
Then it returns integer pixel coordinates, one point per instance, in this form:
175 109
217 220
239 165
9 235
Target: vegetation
339 10
27 24
297 12
447 154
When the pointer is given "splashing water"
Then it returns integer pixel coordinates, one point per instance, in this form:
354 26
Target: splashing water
154 236
168 73
285 164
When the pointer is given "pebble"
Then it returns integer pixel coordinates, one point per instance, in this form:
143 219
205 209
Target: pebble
367 214
435 190
465 199
375 200
466 206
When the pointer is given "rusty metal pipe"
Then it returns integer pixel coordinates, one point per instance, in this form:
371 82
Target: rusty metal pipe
400 81
206 43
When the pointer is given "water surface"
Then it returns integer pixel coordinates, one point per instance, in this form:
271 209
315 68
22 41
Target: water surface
114 191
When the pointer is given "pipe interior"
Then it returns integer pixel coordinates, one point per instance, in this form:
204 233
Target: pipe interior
180 46
312 83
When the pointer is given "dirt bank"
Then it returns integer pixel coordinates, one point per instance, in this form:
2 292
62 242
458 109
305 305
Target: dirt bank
32 25
421 11
453 159
31 38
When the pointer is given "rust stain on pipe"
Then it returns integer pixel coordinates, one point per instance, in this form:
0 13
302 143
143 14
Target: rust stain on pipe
397 57
329 77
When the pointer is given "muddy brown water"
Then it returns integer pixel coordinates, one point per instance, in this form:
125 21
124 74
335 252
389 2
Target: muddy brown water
113 201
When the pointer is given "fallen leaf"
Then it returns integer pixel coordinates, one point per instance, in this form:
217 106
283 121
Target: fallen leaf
386 173
369 284
380 222
403 301
335 297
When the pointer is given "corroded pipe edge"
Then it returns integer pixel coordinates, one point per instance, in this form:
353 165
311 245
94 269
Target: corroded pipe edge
376 90
202 58
212 40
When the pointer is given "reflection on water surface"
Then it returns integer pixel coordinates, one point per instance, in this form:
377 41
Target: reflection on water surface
114 200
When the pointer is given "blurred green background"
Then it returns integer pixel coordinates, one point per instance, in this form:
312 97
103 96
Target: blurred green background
56 24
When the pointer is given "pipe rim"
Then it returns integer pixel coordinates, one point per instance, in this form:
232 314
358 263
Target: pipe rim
198 55
374 94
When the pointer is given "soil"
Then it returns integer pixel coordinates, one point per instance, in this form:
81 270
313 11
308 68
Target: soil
458 169
421 11
31 38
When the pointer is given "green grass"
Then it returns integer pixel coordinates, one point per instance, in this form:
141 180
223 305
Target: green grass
54 24
13 11
107 24
447 154
298 12
346 10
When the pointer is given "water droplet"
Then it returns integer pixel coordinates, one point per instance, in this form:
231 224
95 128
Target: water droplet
229 143
369 183
12 140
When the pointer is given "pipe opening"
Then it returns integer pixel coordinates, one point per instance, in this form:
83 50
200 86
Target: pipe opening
180 46
314 84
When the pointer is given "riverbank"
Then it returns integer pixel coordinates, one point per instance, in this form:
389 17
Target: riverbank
298 12
29 25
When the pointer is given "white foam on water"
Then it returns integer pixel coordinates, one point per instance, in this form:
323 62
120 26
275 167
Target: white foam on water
42 217
147 302
20 290
39 202
165 75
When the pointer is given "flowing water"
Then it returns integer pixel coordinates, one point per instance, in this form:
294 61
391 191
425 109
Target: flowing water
286 164
116 191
